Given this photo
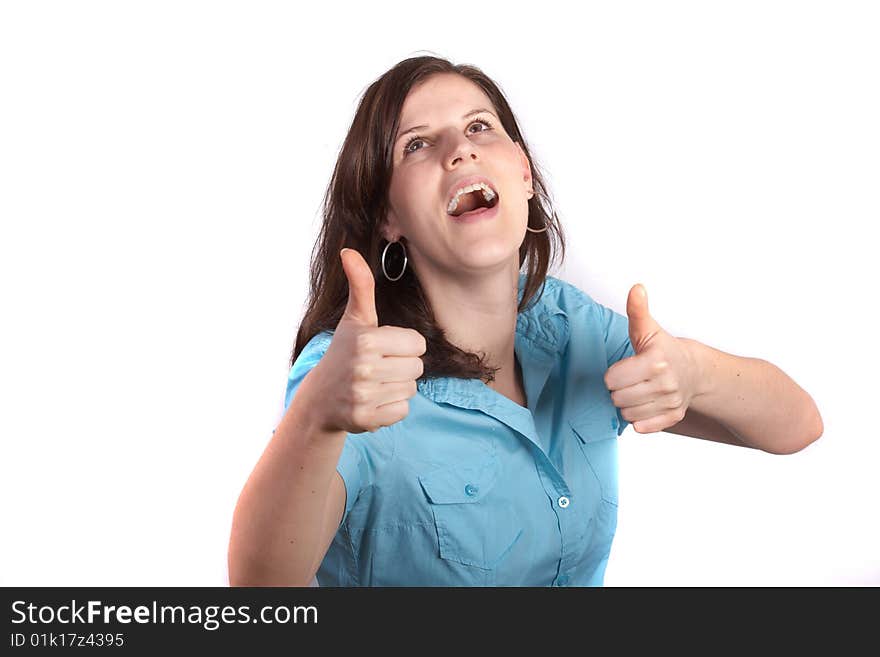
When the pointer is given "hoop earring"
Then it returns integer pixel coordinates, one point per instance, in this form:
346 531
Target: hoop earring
385 271
532 230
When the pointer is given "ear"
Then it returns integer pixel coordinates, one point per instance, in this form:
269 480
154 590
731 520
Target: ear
526 167
388 227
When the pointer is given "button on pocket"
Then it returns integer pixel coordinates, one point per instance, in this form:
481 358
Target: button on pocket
596 430
461 501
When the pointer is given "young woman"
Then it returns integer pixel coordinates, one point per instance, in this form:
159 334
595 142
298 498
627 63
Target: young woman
452 411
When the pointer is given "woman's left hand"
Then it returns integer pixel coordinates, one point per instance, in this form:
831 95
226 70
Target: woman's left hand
654 388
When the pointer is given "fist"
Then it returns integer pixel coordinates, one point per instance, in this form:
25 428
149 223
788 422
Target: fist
369 372
653 388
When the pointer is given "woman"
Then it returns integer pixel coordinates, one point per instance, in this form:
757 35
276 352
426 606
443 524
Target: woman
450 420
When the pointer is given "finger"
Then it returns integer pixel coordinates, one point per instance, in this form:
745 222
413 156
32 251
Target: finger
633 370
388 414
637 394
655 407
656 423
398 341
394 392
389 369
361 306
642 326
395 369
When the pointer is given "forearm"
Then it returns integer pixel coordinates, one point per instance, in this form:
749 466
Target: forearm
760 404
278 521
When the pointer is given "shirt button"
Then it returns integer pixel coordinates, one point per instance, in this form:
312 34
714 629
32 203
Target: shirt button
470 490
563 501
563 580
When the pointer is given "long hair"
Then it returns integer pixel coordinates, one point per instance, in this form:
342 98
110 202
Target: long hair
356 200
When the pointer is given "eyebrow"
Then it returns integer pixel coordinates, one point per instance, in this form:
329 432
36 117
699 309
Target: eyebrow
420 127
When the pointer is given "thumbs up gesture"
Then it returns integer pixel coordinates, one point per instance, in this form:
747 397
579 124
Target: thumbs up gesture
654 388
369 371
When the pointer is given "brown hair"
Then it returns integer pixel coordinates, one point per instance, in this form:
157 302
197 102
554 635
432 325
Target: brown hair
356 200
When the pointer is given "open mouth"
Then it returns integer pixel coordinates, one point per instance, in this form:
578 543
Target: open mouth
472 203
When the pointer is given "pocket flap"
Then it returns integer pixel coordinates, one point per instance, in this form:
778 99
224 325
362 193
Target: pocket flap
598 422
460 484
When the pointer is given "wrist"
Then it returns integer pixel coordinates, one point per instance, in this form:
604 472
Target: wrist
311 410
699 360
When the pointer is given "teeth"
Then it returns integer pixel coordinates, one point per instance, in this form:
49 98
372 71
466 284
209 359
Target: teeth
488 194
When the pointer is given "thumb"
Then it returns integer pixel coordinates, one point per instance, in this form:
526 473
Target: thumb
642 326
361 289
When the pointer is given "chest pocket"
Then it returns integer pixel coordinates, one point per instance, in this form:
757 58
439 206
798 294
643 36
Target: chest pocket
596 429
469 529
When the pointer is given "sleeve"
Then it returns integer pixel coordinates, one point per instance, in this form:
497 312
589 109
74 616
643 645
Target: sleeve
352 464
307 359
617 345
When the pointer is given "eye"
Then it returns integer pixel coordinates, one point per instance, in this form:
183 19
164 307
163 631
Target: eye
411 140
484 122
417 138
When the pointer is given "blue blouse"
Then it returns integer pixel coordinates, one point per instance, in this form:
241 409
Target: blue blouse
472 489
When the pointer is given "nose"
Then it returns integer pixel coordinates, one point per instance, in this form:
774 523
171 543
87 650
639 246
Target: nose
460 149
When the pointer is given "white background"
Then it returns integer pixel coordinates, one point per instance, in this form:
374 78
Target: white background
161 171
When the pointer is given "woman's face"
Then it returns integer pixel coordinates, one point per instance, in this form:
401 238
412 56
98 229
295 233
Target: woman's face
430 161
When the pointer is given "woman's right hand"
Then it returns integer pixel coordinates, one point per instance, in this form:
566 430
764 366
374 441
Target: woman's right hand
369 371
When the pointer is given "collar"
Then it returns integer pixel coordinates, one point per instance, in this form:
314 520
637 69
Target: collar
542 334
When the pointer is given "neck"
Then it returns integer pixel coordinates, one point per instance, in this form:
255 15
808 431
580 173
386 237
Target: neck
478 313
